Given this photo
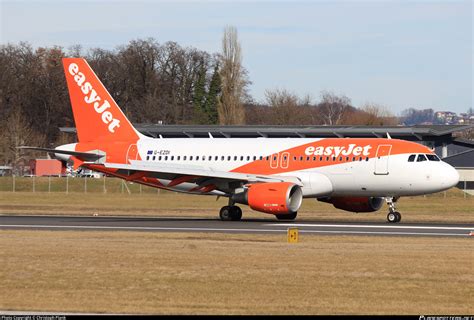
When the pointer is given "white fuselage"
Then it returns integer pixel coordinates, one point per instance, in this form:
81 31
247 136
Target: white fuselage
390 175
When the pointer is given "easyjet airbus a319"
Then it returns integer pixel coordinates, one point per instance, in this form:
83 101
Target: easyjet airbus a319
270 175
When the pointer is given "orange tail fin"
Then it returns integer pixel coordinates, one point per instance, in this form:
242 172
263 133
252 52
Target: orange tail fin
97 115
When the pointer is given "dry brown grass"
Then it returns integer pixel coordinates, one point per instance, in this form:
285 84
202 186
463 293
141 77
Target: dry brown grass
133 272
435 208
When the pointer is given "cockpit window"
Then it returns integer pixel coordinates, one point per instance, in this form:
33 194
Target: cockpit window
432 157
411 158
421 157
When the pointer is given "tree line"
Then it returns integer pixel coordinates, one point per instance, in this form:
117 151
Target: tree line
154 83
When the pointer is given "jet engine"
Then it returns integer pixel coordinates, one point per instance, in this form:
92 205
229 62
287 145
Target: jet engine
272 197
355 204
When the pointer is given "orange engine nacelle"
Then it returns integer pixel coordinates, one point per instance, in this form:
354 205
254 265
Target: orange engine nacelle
355 204
272 197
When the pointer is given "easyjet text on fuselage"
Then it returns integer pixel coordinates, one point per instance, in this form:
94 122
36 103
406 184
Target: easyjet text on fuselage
336 151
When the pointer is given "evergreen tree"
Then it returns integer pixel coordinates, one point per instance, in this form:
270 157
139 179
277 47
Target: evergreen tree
213 97
199 97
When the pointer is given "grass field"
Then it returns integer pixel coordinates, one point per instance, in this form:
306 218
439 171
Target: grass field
133 272
176 273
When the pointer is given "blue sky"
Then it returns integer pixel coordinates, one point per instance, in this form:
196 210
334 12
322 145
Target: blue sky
398 54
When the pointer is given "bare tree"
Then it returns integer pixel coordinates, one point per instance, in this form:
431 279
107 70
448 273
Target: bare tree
333 107
287 107
17 132
233 77
375 114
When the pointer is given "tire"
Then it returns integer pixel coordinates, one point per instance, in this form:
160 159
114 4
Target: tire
392 217
235 213
226 213
289 216
399 216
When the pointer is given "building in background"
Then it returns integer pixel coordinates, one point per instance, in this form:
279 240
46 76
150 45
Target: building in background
47 167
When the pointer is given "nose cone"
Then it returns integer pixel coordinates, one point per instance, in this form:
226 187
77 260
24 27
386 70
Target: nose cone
450 176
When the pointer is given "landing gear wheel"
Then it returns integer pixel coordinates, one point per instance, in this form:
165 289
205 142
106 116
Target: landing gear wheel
399 216
393 217
289 216
230 213
224 214
236 213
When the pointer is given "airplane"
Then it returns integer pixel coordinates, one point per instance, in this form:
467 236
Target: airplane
270 175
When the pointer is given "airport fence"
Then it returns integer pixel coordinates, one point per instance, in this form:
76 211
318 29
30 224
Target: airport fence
72 185
111 185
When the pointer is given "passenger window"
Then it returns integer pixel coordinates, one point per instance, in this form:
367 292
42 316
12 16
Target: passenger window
222 158
411 158
432 157
421 157
241 158
154 157
210 158
190 158
184 158
367 159
228 158
248 158
172 158
148 157
261 158
197 158
254 158
340 158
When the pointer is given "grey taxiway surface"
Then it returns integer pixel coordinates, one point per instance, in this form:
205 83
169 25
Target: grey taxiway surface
262 226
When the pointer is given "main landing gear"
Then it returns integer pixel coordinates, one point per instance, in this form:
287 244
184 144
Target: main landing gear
289 216
230 213
393 216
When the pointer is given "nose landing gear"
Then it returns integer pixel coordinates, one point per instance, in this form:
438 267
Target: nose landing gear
393 216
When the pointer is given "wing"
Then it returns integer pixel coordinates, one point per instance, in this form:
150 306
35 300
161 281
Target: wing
206 178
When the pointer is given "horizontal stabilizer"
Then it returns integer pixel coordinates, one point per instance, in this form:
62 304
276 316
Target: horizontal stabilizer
85 156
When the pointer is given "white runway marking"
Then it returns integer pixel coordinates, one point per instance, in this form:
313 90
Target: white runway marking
136 228
365 226
229 229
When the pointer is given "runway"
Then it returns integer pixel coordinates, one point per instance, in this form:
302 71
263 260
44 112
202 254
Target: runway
261 226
